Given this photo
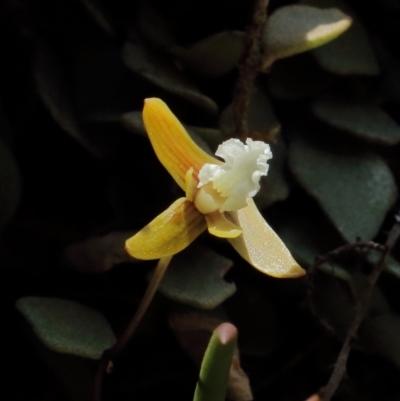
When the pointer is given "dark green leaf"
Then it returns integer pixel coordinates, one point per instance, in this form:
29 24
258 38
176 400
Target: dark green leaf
163 74
195 278
364 120
54 90
355 190
67 327
392 266
133 122
349 54
98 254
297 28
308 241
154 26
214 56
211 136
274 186
102 83
299 77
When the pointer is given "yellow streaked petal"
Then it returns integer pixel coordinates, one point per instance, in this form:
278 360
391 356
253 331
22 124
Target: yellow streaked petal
261 246
169 233
172 144
220 226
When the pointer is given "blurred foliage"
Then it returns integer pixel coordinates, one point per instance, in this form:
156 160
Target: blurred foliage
78 176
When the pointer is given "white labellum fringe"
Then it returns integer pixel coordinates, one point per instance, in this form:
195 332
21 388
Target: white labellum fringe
239 177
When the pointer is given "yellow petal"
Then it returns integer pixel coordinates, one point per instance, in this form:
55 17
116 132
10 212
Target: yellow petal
220 226
172 144
169 233
261 246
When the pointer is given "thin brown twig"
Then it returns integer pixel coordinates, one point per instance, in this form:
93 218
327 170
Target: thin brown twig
98 379
362 306
327 258
106 363
346 248
249 67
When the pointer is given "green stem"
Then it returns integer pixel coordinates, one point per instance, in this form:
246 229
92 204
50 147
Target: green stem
214 372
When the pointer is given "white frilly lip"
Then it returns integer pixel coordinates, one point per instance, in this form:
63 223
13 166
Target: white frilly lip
239 177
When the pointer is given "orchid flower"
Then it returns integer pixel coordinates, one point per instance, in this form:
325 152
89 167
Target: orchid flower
218 196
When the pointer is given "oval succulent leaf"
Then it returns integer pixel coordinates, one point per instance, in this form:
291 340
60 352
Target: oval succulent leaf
163 74
298 28
392 266
53 88
352 52
67 327
274 186
214 56
364 120
133 122
308 241
355 190
98 254
195 278
299 77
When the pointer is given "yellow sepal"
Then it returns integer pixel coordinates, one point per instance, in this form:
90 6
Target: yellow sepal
173 146
169 233
220 226
261 246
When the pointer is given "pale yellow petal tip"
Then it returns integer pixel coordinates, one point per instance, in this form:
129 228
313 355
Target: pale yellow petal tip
127 249
294 271
130 251
153 101
134 251
150 100
155 105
